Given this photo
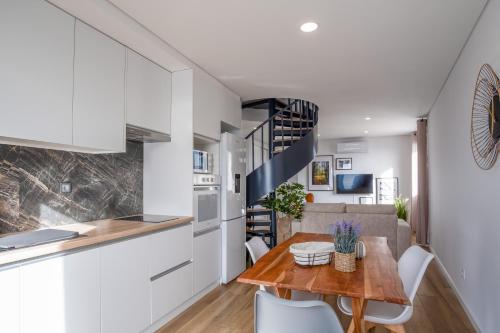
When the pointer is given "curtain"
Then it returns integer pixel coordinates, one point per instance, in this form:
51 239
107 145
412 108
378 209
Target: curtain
420 193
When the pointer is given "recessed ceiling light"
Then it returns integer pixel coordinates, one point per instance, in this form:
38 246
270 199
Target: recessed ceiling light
368 118
255 128
365 131
319 134
309 26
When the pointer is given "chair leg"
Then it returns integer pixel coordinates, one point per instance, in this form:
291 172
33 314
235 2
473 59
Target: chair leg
351 327
369 326
396 328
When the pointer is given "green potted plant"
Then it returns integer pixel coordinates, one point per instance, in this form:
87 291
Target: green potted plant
288 203
401 208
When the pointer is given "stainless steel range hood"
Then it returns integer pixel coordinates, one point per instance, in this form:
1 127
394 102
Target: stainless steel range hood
139 134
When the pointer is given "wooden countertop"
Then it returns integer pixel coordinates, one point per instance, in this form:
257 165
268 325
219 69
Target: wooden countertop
91 234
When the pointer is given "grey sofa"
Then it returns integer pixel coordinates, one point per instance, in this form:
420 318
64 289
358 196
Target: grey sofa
376 220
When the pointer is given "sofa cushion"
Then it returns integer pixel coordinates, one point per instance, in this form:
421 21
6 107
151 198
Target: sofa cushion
371 209
317 222
325 207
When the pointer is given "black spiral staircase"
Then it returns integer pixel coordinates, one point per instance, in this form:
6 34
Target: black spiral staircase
279 148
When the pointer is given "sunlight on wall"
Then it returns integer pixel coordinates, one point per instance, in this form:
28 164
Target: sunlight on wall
50 217
389 173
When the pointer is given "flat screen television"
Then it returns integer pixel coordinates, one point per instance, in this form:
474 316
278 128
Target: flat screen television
355 184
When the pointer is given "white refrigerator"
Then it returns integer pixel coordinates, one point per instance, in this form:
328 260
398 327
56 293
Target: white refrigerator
233 205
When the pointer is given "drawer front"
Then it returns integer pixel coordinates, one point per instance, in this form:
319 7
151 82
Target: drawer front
170 248
206 260
171 290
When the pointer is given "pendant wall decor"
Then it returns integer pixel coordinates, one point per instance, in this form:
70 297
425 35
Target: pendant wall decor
485 118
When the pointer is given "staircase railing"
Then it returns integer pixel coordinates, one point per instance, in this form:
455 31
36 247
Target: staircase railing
286 157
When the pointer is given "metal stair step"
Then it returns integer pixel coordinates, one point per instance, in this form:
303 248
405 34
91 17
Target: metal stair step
258 211
258 223
260 233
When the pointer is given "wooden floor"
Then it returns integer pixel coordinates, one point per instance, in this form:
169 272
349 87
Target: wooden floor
230 309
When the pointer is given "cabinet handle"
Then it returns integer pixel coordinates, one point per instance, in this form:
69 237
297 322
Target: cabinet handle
170 270
203 232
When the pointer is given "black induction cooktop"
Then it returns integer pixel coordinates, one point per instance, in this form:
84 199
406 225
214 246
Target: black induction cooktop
148 218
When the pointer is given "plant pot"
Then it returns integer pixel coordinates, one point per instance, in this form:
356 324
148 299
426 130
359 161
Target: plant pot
345 262
284 228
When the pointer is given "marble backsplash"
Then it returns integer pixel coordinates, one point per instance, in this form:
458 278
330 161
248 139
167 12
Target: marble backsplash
103 186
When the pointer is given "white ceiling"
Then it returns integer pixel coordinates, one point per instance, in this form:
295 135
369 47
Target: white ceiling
386 59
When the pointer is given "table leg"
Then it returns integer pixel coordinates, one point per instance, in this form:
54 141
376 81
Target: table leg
358 313
283 293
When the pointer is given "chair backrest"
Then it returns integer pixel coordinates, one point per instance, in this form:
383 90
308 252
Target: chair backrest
257 248
276 315
411 267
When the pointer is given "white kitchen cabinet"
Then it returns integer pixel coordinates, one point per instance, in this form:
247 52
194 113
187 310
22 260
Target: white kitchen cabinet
61 294
170 248
231 110
125 286
207 253
171 290
213 103
9 306
99 91
36 66
148 94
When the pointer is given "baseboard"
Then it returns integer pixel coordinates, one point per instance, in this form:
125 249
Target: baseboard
455 289
181 308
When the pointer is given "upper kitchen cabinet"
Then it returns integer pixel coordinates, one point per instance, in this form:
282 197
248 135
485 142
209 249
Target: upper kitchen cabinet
99 91
213 103
149 94
36 66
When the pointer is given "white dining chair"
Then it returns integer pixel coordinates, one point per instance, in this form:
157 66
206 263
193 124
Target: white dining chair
258 248
277 315
411 268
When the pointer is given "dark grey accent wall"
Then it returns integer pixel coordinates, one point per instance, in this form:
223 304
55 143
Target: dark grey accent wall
104 186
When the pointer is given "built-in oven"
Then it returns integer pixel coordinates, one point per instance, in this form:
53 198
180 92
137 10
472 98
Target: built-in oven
202 162
206 201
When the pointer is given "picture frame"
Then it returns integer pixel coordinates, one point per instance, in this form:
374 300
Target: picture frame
366 200
320 174
387 189
343 163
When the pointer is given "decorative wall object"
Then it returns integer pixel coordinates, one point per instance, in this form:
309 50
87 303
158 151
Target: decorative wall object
365 200
485 118
102 186
343 163
320 173
387 190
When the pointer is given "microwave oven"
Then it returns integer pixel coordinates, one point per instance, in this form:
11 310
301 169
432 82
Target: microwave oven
202 161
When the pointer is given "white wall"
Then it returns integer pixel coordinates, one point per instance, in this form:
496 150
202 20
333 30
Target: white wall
168 167
387 157
464 204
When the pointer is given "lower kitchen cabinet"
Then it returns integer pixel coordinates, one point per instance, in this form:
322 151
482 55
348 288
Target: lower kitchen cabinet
60 295
171 290
125 286
207 253
9 306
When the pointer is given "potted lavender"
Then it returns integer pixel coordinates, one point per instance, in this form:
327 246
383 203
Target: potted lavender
346 237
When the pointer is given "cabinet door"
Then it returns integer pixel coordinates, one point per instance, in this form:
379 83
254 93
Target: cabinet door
9 307
232 108
36 66
61 294
207 252
170 248
149 94
125 287
171 290
99 93
207 106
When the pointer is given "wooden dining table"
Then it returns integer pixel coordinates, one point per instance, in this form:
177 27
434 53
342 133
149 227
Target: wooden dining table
376 276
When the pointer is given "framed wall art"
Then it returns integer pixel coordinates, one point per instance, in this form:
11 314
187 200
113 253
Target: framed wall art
387 190
320 173
343 163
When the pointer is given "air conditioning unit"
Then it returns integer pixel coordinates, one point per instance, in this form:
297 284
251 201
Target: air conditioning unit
352 147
